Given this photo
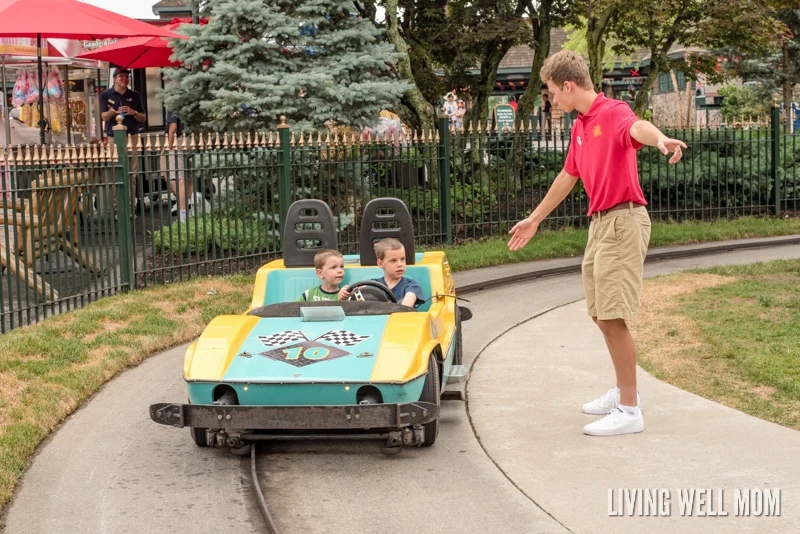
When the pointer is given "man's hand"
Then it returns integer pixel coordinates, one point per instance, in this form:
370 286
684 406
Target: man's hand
521 233
127 110
667 145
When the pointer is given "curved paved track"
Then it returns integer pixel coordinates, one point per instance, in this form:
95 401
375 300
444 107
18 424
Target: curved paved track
504 465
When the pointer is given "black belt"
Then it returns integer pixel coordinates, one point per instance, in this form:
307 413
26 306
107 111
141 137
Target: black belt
621 206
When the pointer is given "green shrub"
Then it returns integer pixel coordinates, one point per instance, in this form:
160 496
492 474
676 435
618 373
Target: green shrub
201 234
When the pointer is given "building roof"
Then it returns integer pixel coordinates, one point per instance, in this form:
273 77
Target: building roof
522 56
172 3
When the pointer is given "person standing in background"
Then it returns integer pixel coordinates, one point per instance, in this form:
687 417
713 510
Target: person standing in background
127 103
178 183
461 110
449 107
546 121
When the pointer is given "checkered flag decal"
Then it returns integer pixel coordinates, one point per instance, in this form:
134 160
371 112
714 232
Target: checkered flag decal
342 338
282 338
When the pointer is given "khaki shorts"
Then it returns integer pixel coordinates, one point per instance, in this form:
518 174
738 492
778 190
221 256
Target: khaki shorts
613 265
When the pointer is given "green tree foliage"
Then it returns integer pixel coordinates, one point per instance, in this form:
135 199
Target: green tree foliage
484 32
743 102
311 60
777 71
455 44
658 25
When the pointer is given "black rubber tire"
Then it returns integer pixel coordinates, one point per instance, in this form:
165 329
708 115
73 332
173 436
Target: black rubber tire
458 355
432 392
198 436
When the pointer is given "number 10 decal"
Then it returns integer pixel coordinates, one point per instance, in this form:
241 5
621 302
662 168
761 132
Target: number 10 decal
310 353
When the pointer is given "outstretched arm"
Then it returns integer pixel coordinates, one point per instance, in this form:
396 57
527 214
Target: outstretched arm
523 231
647 134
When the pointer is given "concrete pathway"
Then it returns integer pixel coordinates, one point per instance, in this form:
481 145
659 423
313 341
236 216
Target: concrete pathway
540 373
513 459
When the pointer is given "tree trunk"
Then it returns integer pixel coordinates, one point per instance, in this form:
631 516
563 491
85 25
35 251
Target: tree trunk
413 98
787 86
485 85
541 27
596 25
640 104
677 94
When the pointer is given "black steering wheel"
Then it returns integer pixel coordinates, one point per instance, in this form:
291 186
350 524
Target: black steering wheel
383 293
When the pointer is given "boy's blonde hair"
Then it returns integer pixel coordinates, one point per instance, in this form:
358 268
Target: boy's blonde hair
388 243
321 257
566 66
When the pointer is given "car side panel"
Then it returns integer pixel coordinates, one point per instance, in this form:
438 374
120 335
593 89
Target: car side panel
402 355
217 346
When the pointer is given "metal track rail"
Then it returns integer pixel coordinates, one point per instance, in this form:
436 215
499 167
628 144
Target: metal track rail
262 502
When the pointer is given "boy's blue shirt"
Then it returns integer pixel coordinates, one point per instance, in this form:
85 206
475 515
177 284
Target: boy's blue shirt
405 285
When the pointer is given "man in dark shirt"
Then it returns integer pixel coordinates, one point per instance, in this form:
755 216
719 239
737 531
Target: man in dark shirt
547 106
119 100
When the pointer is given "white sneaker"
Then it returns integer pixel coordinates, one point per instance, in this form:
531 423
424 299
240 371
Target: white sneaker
605 403
616 422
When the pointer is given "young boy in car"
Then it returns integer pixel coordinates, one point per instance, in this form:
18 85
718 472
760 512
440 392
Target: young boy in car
391 255
330 269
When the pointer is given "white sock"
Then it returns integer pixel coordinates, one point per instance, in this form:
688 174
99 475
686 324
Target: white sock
630 410
182 215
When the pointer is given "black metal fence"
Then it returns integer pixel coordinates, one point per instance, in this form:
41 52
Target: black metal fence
83 223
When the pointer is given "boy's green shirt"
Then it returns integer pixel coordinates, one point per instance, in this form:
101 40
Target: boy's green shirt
317 294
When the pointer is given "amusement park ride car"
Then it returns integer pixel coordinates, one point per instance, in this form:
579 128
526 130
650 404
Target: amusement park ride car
359 369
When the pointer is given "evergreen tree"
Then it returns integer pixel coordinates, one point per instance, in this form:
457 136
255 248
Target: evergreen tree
311 60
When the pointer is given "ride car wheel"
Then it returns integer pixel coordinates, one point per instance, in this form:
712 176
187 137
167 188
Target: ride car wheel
431 392
458 354
198 436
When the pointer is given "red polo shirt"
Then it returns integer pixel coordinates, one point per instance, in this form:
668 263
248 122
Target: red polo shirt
602 153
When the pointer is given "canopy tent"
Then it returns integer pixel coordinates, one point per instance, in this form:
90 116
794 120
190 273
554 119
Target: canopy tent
68 19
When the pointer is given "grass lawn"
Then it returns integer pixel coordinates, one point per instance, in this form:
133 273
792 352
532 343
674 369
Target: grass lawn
49 369
570 242
729 334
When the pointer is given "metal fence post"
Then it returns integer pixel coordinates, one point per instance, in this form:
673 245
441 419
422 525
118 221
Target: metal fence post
285 173
444 179
123 207
776 155
565 132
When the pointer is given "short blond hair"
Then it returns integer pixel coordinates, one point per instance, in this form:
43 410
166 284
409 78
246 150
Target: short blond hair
566 66
388 243
321 257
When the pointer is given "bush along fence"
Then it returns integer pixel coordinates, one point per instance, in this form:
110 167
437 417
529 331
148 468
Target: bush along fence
82 223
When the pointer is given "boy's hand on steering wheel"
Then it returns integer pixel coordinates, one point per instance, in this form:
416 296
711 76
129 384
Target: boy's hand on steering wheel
345 293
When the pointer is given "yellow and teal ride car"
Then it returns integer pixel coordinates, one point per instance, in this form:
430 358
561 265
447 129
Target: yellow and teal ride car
366 368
